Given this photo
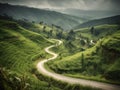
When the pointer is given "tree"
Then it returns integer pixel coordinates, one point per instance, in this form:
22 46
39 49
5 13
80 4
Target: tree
87 41
41 22
51 32
59 34
82 42
82 60
71 32
44 29
33 21
92 30
96 32
5 16
71 35
52 26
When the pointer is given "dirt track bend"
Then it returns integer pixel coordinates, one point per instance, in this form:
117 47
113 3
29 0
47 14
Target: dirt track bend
42 70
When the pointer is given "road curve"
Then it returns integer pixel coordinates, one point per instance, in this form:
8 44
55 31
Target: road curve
42 70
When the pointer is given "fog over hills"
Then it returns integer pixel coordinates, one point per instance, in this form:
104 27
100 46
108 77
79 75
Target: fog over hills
91 14
37 15
59 45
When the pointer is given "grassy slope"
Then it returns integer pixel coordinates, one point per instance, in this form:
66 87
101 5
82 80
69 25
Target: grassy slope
102 30
108 20
19 49
18 41
102 59
73 46
39 28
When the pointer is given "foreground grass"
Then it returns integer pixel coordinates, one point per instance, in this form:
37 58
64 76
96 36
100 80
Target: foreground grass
20 48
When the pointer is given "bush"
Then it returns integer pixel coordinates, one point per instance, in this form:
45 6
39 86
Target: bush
113 75
11 81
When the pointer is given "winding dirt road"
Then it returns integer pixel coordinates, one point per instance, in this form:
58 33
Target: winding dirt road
42 70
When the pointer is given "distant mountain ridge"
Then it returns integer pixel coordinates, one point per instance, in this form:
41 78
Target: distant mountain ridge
33 14
108 20
91 14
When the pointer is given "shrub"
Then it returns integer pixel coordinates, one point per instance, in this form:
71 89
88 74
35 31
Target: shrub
113 75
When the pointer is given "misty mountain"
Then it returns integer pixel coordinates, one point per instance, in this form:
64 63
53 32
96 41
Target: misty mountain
91 14
108 20
49 17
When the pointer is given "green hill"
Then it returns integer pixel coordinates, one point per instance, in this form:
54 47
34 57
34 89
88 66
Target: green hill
49 17
23 41
20 51
48 31
97 32
19 48
100 62
108 20
22 44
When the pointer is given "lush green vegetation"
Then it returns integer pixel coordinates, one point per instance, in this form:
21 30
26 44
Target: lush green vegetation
96 32
89 53
79 40
100 62
48 31
19 50
18 42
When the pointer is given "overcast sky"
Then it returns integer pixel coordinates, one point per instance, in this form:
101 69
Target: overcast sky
66 4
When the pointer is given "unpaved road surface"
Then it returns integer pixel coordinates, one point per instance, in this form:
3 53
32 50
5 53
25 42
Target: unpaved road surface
42 70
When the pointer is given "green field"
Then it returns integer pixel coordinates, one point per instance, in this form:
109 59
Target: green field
98 32
22 45
20 49
101 62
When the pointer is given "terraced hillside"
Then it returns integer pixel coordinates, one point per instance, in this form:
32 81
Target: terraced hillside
89 53
101 62
96 32
19 50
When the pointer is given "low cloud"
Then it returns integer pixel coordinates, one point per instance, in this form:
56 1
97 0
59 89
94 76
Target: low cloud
66 4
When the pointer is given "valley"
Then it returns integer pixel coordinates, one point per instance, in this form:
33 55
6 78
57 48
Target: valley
68 79
49 50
